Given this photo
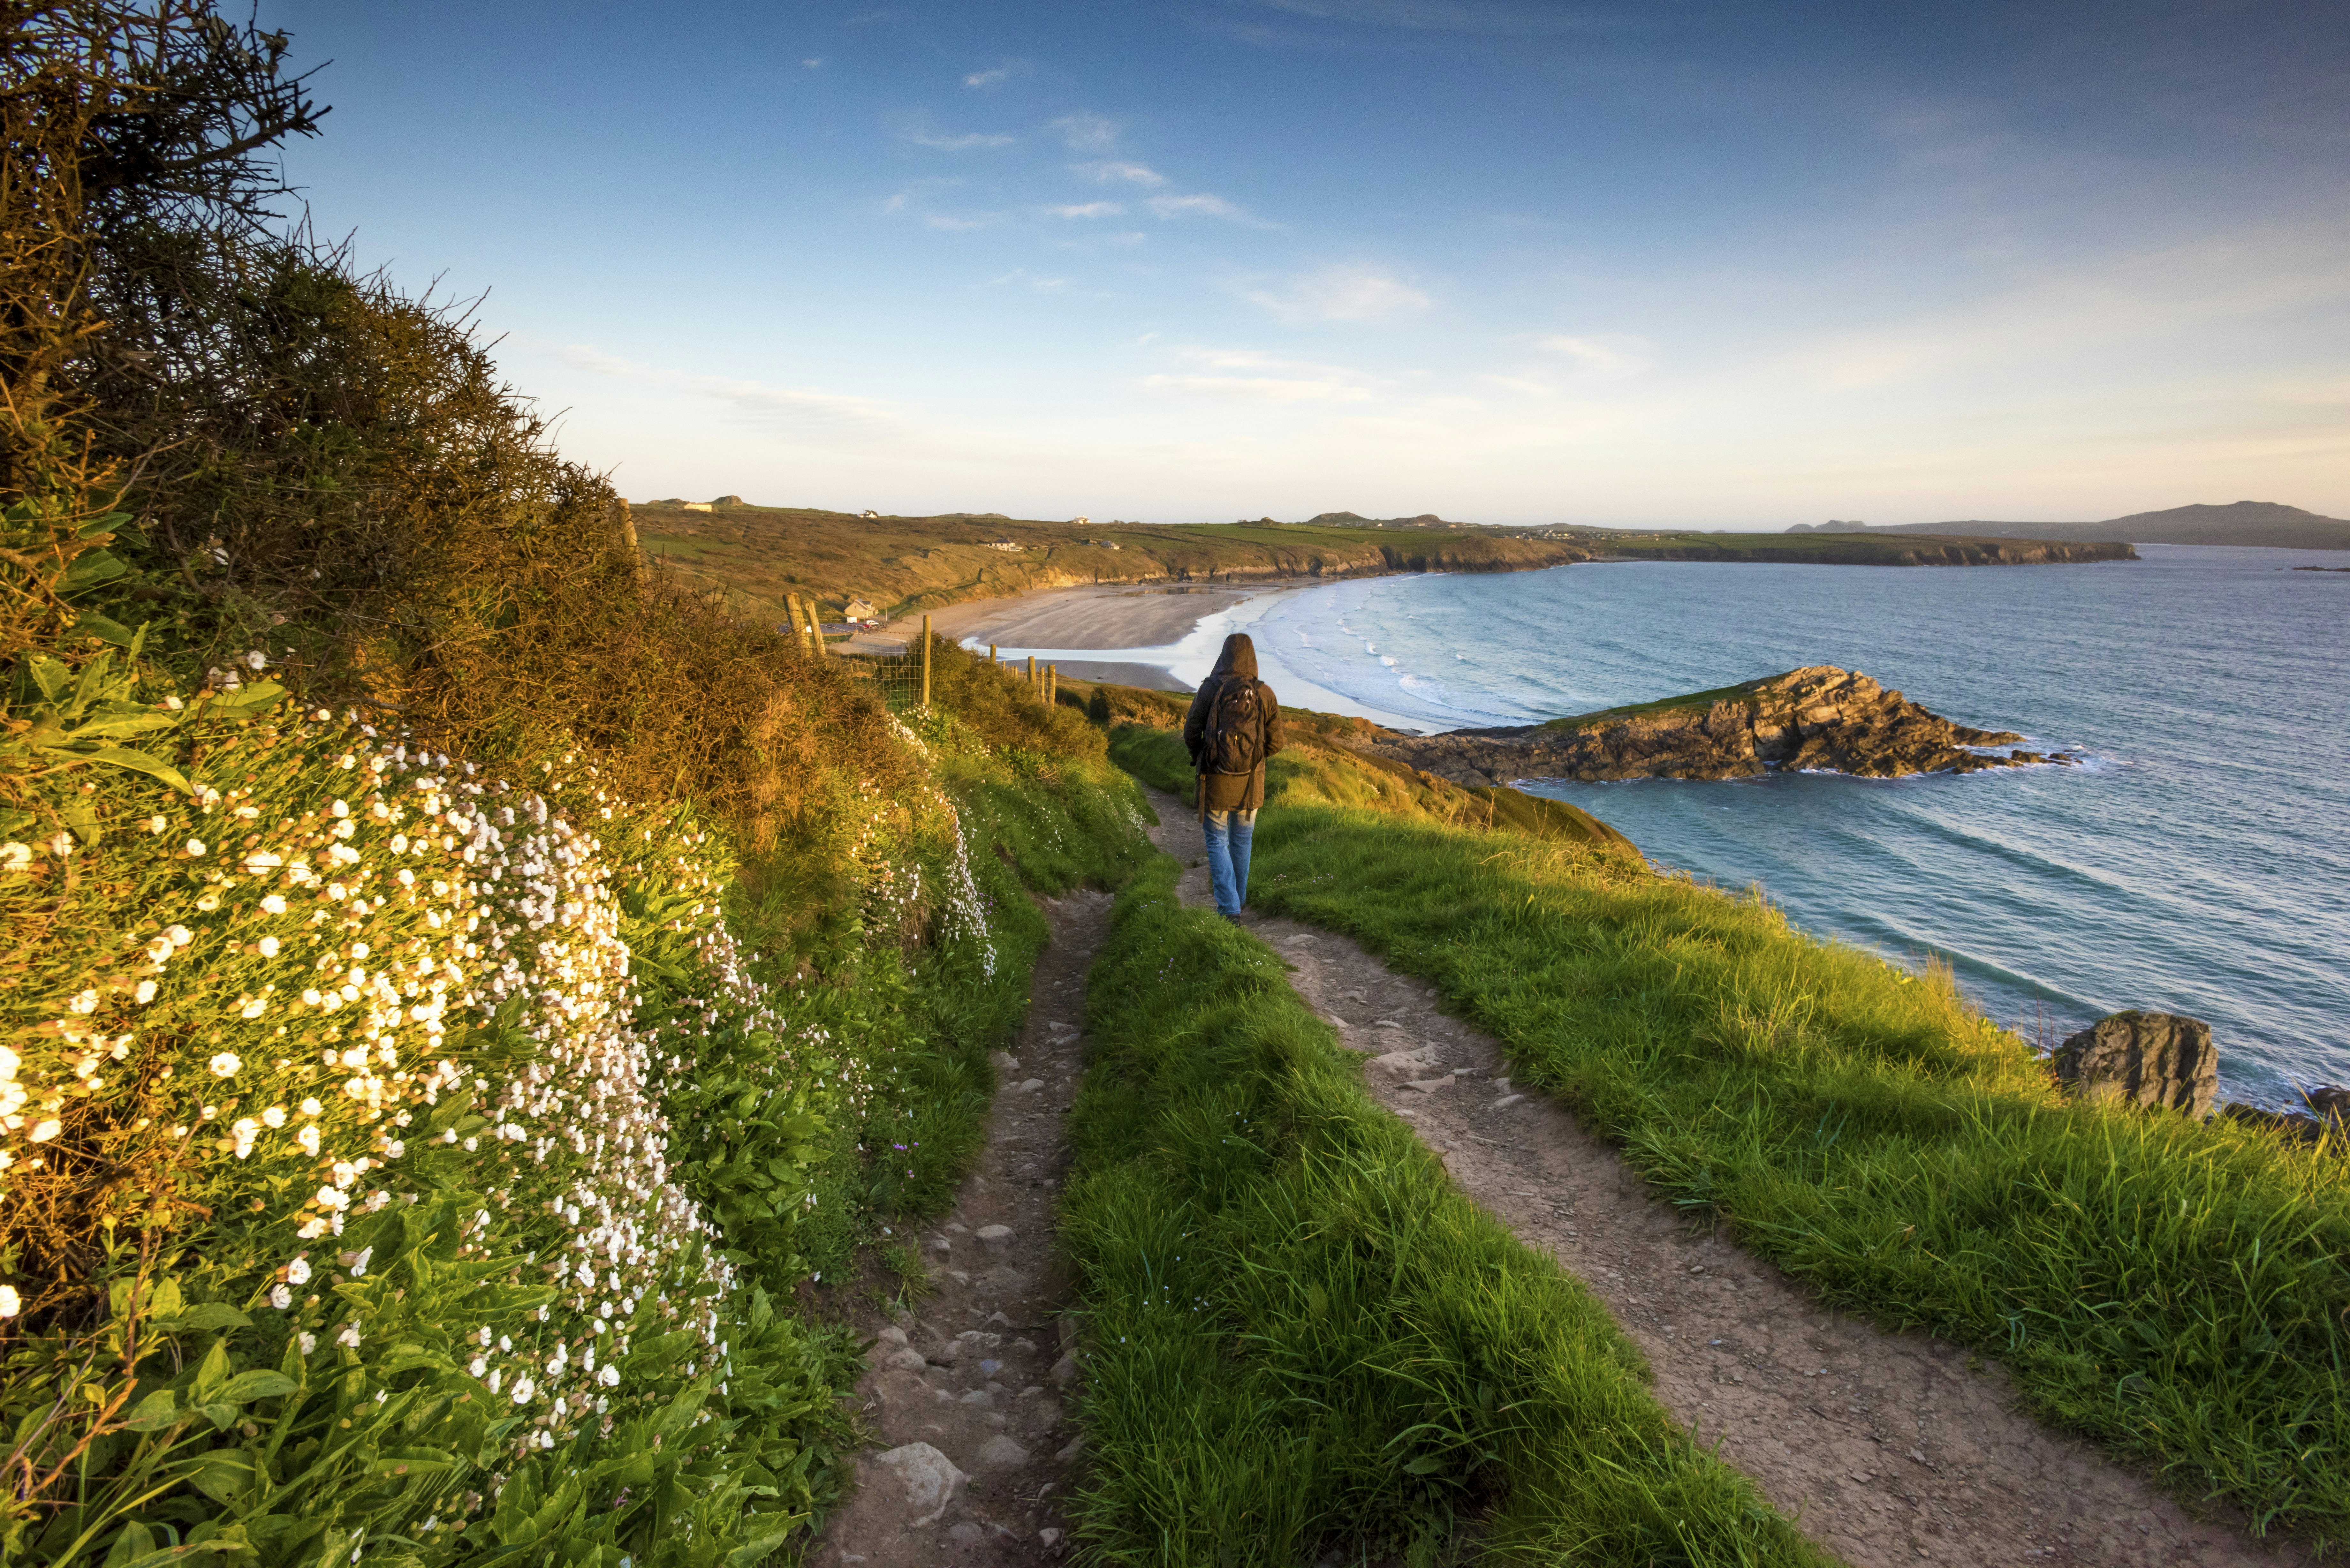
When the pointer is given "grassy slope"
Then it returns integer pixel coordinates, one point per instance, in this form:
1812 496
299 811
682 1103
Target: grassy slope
1302 1336
2178 1291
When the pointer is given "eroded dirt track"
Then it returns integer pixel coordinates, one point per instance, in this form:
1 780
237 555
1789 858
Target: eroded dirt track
1885 1449
971 1449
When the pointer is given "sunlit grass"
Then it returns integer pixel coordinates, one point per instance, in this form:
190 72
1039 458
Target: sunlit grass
2179 1291
1299 1336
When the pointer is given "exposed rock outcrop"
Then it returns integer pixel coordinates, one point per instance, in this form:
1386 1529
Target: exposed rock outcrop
2143 1059
1820 717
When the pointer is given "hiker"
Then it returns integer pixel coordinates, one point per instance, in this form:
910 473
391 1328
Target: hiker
1233 726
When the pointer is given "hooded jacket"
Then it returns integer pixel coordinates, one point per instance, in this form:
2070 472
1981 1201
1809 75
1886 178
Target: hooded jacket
1230 792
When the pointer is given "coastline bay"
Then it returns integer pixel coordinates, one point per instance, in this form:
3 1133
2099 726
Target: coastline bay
2193 864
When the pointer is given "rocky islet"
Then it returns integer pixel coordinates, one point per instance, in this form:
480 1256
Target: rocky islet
1819 717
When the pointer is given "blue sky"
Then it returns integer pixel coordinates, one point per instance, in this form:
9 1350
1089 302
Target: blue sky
1510 262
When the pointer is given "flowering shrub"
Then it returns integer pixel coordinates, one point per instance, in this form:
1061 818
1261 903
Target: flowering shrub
338 1129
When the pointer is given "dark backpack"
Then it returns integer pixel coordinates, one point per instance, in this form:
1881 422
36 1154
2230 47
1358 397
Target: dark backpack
1235 730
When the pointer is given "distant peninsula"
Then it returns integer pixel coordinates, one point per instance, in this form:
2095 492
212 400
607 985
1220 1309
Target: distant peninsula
872 566
2256 522
1817 718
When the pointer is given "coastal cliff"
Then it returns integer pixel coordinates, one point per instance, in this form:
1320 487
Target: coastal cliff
1819 717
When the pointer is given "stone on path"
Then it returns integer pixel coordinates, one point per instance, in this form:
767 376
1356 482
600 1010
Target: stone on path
2143 1059
1002 1453
995 1238
929 1478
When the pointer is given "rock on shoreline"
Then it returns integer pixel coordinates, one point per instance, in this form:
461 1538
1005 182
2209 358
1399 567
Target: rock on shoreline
1819 717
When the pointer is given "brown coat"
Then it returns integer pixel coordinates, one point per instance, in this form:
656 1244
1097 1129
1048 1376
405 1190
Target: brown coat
1230 792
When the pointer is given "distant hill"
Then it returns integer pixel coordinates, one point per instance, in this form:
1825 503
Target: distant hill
2265 522
1353 520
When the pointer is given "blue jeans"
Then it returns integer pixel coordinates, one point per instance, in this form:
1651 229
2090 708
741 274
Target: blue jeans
1228 856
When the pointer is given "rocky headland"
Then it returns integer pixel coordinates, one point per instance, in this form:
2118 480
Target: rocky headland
1819 717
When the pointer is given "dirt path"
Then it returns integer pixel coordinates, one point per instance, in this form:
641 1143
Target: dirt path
972 1448
1885 1449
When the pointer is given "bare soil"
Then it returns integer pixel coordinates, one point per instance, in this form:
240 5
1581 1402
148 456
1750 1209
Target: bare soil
1885 1449
974 1372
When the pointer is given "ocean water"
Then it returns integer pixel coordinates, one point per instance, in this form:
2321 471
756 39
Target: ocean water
2200 863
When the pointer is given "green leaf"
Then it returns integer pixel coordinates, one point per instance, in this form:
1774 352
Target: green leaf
108 524
142 763
1426 1465
159 1409
90 568
224 1475
212 1372
247 1387
205 1315
91 623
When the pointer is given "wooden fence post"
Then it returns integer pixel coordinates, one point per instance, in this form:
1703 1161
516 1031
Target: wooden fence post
1032 687
926 662
1052 684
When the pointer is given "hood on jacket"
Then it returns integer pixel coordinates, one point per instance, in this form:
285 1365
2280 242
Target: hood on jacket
1238 657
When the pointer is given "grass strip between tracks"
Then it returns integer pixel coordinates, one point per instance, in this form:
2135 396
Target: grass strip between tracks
1300 1335
2179 1291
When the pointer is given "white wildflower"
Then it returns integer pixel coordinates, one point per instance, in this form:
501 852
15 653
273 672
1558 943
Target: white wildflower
15 855
11 1303
225 1065
274 904
146 991
306 1341
280 1297
268 946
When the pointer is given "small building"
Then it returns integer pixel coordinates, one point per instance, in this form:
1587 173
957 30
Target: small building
861 610
1003 545
697 506
868 512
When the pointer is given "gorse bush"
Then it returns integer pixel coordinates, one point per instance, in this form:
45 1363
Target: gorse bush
461 989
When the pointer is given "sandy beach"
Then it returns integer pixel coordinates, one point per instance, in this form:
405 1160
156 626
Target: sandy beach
1111 615
1114 618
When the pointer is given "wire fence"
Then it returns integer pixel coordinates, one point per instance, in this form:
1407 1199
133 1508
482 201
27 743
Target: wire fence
901 679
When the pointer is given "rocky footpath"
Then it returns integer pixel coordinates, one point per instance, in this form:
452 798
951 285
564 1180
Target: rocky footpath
1820 717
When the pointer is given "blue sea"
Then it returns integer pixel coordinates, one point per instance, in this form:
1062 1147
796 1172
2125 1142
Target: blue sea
2200 863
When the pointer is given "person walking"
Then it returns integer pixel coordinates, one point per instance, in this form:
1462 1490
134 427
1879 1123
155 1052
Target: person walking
1233 726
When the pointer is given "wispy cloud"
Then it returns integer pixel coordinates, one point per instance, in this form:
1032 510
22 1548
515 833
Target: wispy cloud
812 64
1105 171
962 143
1086 132
1203 205
777 410
1342 294
1088 209
1249 375
1612 355
910 202
1022 275
995 77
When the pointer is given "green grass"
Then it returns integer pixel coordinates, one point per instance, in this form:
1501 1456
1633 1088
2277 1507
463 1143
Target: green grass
1301 1337
2178 1291
1661 705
